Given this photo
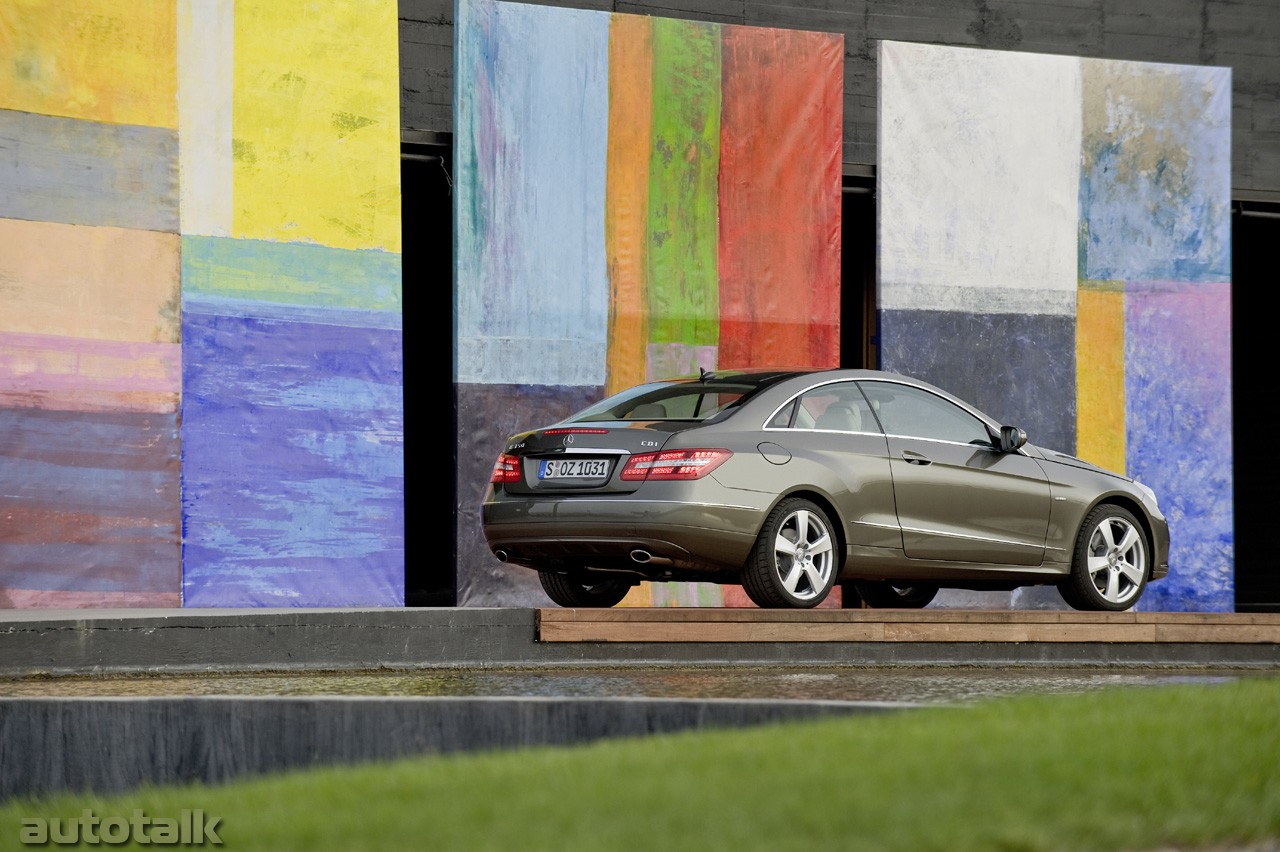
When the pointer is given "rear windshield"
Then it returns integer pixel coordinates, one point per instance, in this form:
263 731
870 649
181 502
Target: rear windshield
692 400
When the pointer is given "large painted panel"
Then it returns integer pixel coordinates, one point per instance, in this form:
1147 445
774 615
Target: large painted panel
1065 223
292 418
1155 190
89 334
533 98
200 343
635 198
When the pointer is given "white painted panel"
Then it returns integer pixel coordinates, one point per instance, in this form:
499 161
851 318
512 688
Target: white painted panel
978 176
206 56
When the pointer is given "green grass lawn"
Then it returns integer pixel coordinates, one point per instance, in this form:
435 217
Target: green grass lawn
1133 768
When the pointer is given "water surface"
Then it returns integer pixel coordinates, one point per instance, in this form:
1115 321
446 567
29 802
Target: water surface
932 685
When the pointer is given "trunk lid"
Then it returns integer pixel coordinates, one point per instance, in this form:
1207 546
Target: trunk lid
584 457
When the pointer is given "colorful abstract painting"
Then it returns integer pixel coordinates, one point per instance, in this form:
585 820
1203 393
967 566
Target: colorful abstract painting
90 362
635 198
1065 223
292 414
200 343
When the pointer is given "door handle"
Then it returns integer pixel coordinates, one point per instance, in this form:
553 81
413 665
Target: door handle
916 458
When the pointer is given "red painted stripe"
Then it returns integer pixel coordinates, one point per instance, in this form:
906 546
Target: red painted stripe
780 159
45 599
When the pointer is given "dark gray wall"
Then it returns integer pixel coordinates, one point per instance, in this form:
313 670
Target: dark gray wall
114 745
1241 34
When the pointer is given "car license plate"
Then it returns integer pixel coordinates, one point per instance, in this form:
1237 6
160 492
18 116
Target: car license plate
573 468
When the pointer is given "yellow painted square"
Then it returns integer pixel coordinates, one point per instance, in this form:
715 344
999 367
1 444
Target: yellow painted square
1100 399
100 60
316 123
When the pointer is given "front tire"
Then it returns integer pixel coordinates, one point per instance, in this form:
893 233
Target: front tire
1111 562
580 591
793 562
885 595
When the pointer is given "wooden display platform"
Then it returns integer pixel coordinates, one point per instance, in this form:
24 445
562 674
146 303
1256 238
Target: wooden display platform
710 624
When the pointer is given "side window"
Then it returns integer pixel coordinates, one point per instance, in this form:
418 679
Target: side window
835 408
782 419
916 413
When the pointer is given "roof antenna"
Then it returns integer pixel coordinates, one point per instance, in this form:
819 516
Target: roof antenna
703 373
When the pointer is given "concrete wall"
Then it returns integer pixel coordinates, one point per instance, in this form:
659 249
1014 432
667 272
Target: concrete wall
1242 34
39 643
112 745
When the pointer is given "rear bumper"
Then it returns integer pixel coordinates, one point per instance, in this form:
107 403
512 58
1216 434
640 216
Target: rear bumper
651 538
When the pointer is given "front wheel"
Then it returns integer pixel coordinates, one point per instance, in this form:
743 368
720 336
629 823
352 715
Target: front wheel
883 595
793 563
580 591
1110 565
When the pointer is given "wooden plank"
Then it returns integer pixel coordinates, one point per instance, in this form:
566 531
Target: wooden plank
1019 633
736 615
675 624
709 632
836 632
1252 634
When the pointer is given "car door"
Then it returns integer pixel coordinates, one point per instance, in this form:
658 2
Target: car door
959 499
831 429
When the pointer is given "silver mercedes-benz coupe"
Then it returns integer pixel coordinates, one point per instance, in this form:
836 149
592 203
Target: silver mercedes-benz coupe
789 481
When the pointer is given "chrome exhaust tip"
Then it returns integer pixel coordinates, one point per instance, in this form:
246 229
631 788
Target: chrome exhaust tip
502 555
644 557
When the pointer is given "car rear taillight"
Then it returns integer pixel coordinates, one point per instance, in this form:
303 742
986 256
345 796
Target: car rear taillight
506 469
673 464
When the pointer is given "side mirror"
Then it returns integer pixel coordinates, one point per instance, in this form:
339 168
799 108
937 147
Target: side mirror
1011 437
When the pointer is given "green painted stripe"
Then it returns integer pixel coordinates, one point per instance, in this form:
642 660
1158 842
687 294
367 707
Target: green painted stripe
1102 286
684 162
291 273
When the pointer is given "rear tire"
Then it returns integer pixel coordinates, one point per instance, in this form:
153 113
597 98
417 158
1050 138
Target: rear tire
885 595
793 563
1111 562
579 591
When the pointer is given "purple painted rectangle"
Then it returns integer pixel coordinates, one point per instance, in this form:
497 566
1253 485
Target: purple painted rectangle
1178 414
488 414
293 462
89 503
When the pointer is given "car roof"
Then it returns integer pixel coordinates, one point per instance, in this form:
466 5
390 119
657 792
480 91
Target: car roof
769 375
